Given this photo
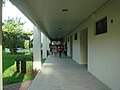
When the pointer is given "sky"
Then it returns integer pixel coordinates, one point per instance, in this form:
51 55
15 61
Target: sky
9 10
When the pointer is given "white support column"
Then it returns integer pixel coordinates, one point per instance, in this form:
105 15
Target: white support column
36 49
47 45
1 86
44 47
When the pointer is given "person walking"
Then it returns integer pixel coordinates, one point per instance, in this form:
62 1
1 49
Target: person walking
65 50
55 50
51 48
60 49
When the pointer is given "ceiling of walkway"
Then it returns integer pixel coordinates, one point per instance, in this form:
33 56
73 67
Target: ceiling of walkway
57 18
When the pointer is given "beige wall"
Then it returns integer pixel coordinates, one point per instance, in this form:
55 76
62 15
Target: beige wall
76 48
76 54
1 45
68 47
103 49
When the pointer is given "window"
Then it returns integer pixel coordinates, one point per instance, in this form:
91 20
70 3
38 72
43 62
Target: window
101 26
75 38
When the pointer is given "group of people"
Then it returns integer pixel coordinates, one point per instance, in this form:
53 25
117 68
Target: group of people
58 49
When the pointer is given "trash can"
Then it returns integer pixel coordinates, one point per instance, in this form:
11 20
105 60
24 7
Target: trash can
22 61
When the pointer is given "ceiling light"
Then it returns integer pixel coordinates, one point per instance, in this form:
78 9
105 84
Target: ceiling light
64 10
59 28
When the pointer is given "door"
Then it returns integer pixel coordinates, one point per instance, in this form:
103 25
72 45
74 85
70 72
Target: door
83 46
71 45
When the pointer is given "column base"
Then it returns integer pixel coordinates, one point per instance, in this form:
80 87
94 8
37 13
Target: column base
36 65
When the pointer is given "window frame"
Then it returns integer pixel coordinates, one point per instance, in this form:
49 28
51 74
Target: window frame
101 26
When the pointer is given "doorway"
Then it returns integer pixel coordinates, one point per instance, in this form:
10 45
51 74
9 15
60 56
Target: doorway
71 46
84 46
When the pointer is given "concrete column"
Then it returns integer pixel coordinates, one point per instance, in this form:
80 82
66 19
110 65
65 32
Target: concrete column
44 47
47 45
36 49
1 88
48 42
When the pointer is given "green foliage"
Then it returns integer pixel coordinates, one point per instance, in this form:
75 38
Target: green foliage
26 44
9 65
9 75
13 34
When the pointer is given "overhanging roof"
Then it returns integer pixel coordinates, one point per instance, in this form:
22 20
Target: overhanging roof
57 18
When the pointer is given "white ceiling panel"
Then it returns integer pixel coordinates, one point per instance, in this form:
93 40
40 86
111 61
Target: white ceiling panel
48 14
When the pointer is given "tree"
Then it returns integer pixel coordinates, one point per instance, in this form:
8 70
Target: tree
27 41
13 35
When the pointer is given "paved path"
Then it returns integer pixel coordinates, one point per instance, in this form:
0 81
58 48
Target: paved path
18 86
65 74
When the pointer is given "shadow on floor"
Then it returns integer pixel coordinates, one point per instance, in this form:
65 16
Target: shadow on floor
16 77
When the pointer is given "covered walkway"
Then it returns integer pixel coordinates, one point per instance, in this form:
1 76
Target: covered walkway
65 74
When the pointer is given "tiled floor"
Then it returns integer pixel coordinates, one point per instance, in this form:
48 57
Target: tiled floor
65 74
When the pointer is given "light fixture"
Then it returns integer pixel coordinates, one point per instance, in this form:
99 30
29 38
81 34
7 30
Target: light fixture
59 28
64 10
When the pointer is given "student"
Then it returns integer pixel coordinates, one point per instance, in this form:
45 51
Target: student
51 47
55 50
65 50
60 49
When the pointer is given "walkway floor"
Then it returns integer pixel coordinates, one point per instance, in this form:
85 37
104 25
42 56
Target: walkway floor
65 74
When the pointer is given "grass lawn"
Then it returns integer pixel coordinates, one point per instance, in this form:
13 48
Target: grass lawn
9 67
